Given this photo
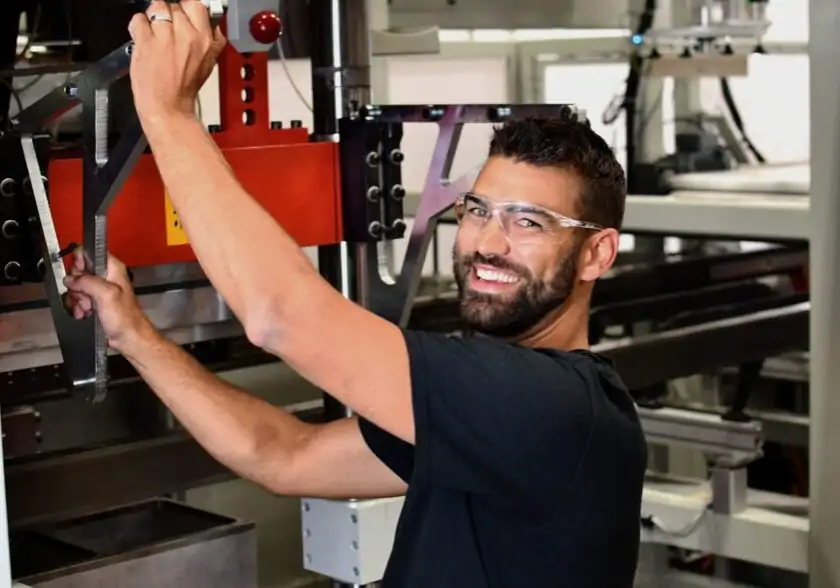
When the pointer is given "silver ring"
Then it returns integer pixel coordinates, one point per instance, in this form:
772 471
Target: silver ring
160 17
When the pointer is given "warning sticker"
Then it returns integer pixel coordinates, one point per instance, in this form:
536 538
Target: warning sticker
175 234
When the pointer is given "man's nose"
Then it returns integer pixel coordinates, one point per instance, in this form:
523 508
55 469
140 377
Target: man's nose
493 240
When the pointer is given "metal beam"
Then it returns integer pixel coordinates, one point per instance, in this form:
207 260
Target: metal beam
709 433
736 215
708 347
824 49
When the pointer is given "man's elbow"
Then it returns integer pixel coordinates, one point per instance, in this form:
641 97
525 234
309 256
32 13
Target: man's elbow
264 324
277 465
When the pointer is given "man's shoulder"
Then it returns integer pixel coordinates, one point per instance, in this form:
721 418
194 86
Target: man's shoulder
537 365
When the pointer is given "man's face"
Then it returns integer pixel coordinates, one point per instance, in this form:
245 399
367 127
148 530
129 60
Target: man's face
512 267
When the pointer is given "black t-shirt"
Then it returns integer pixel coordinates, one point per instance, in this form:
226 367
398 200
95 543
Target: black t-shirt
527 469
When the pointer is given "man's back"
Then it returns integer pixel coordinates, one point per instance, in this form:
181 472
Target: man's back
527 470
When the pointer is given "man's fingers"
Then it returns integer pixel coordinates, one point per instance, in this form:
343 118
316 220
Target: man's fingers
219 42
79 264
160 18
99 289
81 302
117 273
180 20
140 28
198 14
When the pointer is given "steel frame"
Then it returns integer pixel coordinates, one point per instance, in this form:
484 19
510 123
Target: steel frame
103 176
824 49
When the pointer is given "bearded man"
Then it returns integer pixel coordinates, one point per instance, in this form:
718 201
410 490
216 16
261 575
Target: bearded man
518 450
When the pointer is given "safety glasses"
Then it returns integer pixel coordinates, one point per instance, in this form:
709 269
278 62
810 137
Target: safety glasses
522 222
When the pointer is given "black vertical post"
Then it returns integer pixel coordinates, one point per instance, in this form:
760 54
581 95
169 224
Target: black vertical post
340 84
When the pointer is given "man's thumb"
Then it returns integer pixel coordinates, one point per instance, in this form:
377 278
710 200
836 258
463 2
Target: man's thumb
93 286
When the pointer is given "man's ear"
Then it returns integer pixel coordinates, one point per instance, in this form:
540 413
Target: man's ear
598 255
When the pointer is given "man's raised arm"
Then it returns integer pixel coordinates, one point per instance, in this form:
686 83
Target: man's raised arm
285 306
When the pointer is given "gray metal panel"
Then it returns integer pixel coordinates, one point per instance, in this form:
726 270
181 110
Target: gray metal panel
791 179
719 214
28 337
504 14
824 49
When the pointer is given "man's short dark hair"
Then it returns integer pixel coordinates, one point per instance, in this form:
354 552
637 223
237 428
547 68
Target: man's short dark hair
545 142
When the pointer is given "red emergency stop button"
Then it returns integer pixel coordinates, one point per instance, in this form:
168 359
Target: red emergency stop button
266 27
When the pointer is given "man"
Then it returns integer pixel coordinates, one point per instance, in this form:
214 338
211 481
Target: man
518 450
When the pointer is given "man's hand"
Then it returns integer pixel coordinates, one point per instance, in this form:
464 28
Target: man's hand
175 49
111 297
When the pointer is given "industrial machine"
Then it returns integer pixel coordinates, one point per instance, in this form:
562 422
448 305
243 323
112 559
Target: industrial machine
89 454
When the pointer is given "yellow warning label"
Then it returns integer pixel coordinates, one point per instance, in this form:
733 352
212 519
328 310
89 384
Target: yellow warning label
175 234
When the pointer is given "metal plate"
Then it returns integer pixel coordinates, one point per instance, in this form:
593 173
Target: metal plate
28 338
497 14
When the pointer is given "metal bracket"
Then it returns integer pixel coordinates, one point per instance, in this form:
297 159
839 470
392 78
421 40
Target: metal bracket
349 541
83 344
730 444
392 296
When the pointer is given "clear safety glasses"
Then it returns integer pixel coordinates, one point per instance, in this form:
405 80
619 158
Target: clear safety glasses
522 222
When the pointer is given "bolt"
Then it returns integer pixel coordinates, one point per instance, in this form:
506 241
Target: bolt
397 192
10 229
71 90
7 187
354 518
355 571
12 271
129 49
306 506
373 193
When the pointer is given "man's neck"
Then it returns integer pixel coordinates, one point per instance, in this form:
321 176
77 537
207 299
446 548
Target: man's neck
567 329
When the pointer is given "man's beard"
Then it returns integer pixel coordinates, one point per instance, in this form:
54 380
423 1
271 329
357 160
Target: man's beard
502 316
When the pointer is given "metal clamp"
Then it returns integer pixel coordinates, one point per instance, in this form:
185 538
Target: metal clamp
83 343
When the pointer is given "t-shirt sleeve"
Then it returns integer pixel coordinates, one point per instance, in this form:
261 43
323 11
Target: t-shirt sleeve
496 419
392 451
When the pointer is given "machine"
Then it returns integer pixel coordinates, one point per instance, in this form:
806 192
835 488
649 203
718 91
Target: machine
90 455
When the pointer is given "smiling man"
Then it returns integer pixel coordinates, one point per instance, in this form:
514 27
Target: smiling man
519 451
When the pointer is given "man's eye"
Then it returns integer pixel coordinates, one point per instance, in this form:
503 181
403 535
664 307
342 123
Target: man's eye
527 223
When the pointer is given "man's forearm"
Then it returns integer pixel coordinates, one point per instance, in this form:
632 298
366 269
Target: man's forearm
246 254
248 435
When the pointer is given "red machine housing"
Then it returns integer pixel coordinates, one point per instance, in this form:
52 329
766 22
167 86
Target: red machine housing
295 180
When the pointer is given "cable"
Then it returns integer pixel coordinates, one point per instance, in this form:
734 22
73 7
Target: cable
729 100
289 76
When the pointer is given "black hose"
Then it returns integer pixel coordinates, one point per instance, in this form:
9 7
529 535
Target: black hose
631 92
736 118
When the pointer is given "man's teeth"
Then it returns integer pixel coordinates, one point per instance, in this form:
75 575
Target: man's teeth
491 276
